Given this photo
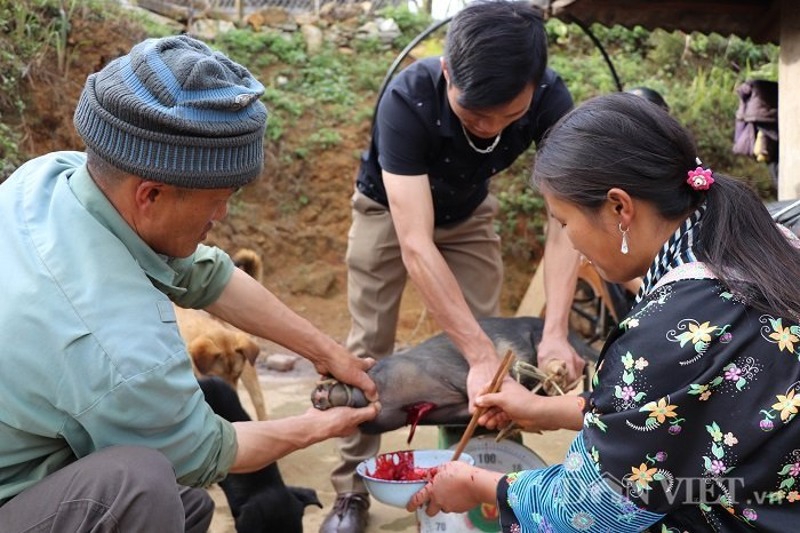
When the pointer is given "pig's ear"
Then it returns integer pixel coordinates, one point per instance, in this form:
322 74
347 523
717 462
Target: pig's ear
306 496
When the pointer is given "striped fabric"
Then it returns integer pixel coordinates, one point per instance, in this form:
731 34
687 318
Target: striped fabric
675 252
572 496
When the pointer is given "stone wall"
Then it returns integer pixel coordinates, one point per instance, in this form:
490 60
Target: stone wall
335 22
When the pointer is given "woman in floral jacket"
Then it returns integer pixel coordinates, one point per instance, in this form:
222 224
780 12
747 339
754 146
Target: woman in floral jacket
691 422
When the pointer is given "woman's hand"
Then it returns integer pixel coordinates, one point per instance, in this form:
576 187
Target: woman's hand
456 488
531 412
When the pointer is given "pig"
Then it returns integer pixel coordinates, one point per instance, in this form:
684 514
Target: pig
426 384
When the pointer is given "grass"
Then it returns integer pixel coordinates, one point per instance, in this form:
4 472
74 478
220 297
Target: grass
330 90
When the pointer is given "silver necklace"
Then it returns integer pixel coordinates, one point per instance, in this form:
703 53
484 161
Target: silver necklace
488 149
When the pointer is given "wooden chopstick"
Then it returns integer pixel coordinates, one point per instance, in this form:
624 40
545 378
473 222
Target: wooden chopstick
497 381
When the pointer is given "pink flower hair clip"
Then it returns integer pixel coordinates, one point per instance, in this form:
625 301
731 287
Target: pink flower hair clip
700 179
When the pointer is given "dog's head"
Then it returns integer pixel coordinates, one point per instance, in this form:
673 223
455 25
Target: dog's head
249 261
223 356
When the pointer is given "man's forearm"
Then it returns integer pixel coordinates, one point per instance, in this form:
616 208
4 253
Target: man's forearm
560 263
249 306
264 442
445 301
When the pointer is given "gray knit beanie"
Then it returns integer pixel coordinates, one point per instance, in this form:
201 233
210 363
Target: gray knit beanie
176 112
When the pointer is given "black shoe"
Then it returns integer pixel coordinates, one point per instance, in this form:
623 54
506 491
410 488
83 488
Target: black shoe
349 514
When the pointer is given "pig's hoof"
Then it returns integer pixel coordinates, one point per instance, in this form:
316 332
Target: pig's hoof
331 393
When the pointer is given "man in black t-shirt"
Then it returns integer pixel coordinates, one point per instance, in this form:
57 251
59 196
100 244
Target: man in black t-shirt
422 207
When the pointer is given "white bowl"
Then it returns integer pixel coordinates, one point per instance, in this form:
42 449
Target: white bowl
398 493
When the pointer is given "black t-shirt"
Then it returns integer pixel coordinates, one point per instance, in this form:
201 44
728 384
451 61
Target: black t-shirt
416 133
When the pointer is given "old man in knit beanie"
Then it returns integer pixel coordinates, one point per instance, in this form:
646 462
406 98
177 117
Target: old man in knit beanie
104 426
175 111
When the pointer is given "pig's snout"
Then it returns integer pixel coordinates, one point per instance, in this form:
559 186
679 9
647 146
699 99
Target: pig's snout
331 393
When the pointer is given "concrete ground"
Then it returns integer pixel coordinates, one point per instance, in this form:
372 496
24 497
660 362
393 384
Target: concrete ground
288 394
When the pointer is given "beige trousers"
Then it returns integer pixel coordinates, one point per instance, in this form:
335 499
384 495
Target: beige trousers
375 283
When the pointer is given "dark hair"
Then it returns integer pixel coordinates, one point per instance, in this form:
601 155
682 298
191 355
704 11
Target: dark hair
493 50
650 95
621 140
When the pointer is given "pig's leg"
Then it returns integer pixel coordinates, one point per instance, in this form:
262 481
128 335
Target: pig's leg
434 374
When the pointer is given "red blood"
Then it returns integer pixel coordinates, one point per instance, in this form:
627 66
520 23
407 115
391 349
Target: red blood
414 414
399 466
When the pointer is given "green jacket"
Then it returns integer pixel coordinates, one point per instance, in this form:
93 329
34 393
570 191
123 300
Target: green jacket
91 354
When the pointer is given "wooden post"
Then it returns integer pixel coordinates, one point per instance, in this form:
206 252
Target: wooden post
533 302
789 102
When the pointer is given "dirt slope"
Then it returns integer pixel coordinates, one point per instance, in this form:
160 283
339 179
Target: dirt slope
296 215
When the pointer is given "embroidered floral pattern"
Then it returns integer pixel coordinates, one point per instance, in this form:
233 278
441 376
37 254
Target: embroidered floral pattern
660 411
719 462
680 394
630 392
595 455
729 439
735 377
750 515
697 335
732 350
629 323
641 477
658 298
786 337
784 408
592 419
573 461
789 479
582 521
543 526
787 405
665 529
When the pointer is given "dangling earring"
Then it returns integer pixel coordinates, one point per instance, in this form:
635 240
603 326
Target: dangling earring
624 247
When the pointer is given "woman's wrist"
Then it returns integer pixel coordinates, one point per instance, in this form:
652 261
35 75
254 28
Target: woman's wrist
566 411
484 484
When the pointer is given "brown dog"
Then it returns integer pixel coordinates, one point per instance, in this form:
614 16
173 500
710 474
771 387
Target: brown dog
249 261
218 349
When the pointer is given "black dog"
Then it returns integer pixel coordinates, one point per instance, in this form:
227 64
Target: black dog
260 501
